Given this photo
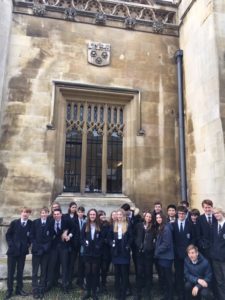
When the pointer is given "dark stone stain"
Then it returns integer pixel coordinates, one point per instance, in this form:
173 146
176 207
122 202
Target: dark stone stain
3 172
36 32
20 86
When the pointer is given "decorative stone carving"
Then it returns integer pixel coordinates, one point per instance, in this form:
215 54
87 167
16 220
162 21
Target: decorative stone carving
71 124
117 128
158 26
98 127
99 54
133 12
70 13
130 22
100 18
39 9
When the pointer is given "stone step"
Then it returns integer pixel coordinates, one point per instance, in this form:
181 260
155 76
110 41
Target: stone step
108 202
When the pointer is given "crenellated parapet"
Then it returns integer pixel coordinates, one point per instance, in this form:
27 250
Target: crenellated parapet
145 15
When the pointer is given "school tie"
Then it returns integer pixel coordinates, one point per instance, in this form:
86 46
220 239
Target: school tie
219 229
210 220
181 228
23 224
57 227
43 223
81 224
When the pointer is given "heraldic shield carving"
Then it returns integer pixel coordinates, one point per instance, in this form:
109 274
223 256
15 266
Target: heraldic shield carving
99 54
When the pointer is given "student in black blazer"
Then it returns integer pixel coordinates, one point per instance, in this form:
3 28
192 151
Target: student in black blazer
81 268
18 240
120 240
91 240
218 252
106 253
182 237
72 216
61 246
144 238
41 239
164 253
204 228
194 214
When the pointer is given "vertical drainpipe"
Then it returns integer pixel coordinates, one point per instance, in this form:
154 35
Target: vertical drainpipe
182 152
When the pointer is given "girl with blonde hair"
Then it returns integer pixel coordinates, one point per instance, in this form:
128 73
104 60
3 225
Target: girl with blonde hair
120 239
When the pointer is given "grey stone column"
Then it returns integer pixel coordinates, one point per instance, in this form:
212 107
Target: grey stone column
5 26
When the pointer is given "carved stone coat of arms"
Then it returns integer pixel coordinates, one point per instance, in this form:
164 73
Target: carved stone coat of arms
99 54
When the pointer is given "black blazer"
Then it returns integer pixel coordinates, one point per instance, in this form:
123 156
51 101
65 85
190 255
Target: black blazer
18 238
182 239
122 246
144 239
41 237
91 248
218 243
106 251
204 234
57 241
75 240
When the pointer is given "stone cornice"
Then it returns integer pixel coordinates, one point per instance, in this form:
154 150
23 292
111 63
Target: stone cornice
145 15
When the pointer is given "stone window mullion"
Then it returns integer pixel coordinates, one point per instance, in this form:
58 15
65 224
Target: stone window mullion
84 152
104 151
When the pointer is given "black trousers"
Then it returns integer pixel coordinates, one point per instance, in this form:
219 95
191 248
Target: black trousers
179 276
167 280
71 264
219 273
39 261
121 280
92 266
104 269
58 256
13 263
81 270
144 273
204 293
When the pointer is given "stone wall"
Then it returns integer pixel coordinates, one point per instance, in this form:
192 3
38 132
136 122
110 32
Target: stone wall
5 25
43 49
201 35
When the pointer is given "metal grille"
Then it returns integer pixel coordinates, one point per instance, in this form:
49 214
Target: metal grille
94 163
72 171
114 164
86 120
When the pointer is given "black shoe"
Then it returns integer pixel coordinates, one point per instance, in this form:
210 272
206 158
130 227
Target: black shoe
65 290
70 286
87 295
8 295
21 293
48 288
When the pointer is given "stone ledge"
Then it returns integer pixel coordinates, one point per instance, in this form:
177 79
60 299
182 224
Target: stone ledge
158 18
108 202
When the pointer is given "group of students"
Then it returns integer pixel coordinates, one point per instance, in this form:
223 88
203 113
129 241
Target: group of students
182 240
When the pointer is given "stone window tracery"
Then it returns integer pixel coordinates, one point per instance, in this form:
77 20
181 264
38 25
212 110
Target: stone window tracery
93 152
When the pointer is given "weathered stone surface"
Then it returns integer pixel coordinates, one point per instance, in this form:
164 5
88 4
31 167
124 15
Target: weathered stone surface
60 52
203 65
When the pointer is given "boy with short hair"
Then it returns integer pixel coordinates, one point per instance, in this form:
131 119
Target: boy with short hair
218 251
183 236
198 275
171 213
41 238
204 228
18 240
